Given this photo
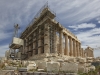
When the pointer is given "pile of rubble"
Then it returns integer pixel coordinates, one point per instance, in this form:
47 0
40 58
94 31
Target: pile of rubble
68 65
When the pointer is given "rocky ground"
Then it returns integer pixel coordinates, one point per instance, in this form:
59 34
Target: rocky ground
2 72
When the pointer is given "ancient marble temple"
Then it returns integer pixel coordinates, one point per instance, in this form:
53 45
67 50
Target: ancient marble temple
45 37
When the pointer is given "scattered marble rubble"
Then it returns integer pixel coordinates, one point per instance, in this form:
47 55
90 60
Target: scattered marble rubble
73 65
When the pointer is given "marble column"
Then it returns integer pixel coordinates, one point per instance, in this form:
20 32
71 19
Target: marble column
77 48
25 45
34 46
80 49
66 45
61 42
46 39
39 46
82 53
92 54
55 43
74 48
70 44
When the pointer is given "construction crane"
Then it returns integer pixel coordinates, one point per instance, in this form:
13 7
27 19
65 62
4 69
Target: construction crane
13 51
16 27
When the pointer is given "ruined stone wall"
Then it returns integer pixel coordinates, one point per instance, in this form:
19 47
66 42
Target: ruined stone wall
89 52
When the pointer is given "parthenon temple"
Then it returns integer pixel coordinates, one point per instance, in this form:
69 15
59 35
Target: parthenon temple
45 37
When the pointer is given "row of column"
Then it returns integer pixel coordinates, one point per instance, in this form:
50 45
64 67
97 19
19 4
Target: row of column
72 47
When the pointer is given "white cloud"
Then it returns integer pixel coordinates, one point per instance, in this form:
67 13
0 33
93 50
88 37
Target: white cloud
4 35
90 38
3 48
98 21
76 11
88 35
82 26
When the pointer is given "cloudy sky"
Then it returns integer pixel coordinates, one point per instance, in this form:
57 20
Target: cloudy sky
81 17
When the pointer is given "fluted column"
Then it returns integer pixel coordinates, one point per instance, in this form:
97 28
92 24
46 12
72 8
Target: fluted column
70 44
66 45
46 39
80 49
92 54
74 48
82 53
39 42
77 48
61 42
34 46
39 46
55 43
26 45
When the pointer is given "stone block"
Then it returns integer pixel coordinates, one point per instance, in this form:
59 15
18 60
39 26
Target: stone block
31 66
89 58
30 73
43 73
42 65
81 68
69 67
22 69
88 64
40 70
86 69
82 64
15 62
89 61
10 68
66 60
70 74
31 62
71 60
82 60
92 68
17 41
24 73
53 66
45 59
60 60
25 63
54 74
40 73
6 64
